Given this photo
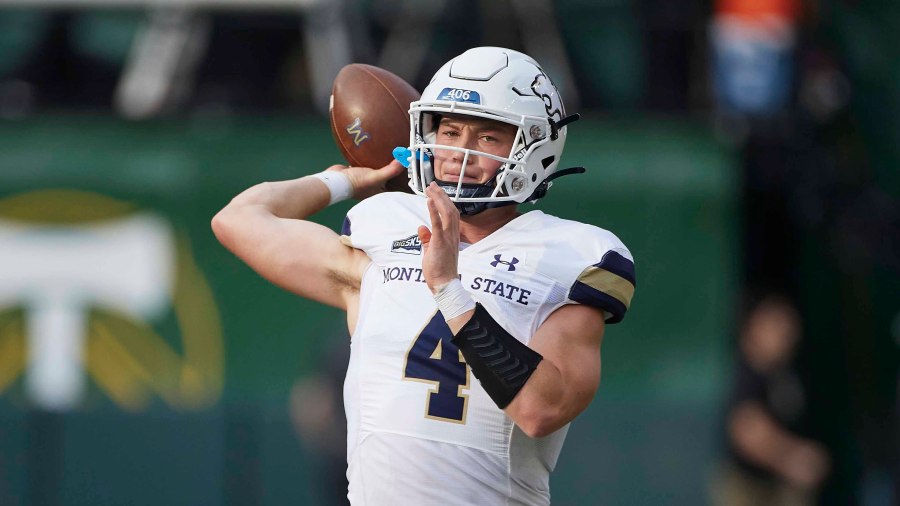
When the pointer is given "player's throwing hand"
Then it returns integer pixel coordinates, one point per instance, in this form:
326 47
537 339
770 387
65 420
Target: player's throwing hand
441 244
369 181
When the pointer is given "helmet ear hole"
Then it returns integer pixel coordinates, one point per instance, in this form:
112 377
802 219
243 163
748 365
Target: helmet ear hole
533 178
546 162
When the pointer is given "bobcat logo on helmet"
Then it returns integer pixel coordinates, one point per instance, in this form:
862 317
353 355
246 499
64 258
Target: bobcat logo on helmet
543 88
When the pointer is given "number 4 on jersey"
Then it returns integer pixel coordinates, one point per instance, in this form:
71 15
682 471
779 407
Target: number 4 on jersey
433 359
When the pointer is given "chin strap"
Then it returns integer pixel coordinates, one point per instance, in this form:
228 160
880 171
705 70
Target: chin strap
472 190
472 208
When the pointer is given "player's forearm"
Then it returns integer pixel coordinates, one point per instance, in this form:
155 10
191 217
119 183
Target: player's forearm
545 404
245 225
540 407
292 199
303 197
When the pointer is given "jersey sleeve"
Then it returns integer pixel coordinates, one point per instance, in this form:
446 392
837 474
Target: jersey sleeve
363 226
346 232
383 223
608 284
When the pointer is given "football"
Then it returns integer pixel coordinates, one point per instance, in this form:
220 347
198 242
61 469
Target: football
369 112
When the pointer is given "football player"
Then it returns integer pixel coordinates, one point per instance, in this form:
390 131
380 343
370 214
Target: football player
476 327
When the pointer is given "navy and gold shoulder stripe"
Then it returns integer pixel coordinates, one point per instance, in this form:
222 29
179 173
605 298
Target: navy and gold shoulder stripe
345 232
608 285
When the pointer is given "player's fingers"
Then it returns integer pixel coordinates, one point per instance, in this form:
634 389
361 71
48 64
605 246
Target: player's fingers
390 171
443 205
435 191
436 221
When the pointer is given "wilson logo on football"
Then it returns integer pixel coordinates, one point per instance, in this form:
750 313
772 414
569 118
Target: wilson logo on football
410 246
355 129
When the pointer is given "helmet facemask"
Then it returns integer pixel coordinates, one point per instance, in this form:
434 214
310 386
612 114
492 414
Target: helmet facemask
509 184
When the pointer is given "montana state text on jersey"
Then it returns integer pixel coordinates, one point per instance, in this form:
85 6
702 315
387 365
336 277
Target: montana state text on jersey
488 285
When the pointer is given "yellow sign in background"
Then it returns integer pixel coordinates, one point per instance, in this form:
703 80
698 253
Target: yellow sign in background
126 358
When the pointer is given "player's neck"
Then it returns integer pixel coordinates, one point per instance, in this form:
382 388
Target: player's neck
476 227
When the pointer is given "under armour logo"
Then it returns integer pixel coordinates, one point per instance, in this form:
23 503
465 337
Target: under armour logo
510 266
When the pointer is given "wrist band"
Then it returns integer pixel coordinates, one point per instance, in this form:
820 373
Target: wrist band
453 300
338 184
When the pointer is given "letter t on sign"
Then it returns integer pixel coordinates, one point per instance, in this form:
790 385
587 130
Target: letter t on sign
59 272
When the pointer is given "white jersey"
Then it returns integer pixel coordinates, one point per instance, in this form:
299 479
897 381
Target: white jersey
421 430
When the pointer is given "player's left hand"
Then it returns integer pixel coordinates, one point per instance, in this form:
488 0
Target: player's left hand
440 244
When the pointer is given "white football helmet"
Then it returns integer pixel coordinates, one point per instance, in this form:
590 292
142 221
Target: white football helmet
502 85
